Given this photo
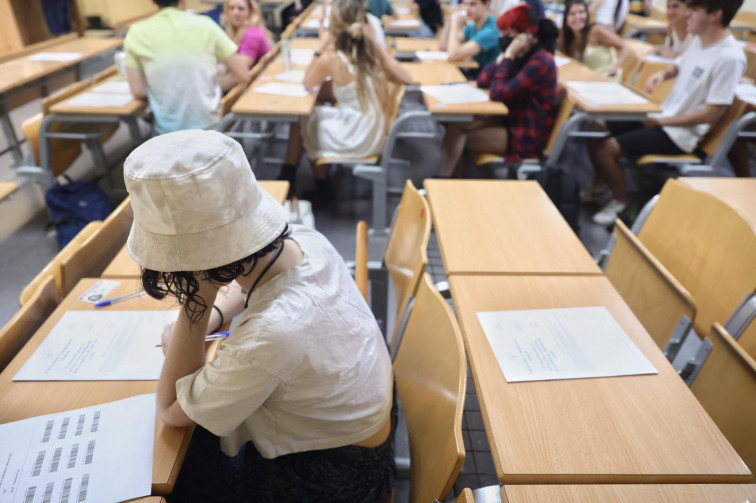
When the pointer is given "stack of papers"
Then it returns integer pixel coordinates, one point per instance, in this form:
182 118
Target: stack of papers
606 93
281 89
100 346
455 93
435 55
100 99
94 454
574 343
55 56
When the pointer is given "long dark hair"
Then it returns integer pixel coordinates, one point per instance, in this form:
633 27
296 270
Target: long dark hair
183 285
568 37
548 34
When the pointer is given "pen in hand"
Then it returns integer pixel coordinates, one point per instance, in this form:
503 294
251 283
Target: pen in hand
211 337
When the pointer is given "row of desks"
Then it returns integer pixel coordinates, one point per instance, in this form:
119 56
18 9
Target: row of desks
21 400
506 247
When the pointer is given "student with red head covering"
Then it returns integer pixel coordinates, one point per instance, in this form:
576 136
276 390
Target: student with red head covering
524 77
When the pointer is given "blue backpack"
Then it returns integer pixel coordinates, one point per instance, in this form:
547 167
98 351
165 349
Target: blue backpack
73 205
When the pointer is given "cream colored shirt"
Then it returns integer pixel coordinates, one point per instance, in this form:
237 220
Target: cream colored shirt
305 369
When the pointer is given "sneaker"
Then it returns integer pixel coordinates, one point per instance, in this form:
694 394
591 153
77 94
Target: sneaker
608 213
595 194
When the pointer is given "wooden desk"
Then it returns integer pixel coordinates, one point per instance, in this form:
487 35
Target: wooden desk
628 429
738 193
575 70
22 400
503 227
647 493
123 267
431 75
7 188
305 43
462 112
20 71
406 24
407 47
635 24
639 47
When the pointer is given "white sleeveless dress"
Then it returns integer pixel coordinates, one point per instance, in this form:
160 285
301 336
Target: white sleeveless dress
345 130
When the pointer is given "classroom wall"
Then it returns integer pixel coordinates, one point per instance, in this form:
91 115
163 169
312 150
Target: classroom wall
114 11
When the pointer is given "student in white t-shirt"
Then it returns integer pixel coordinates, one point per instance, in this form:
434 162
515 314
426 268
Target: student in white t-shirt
610 13
678 39
707 74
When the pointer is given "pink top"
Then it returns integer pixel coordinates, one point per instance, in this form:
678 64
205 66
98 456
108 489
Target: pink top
254 43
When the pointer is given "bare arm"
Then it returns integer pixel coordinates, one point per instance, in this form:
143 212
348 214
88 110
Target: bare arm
458 48
238 72
318 69
708 115
654 80
394 70
137 83
608 38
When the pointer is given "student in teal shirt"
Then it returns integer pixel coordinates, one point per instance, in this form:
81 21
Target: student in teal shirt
380 8
471 33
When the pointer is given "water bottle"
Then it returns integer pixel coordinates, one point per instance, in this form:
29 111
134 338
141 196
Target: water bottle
119 58
286 53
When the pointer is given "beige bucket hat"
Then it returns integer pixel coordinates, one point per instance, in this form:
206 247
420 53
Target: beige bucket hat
196 203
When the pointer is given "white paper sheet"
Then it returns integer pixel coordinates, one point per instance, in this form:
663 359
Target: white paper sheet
606 93
456 93
99 291
404 23
55 56
655 58
295 76
575 343
315 23
113 86
747 93
95 454
100 100
100 346
561 61
435 55
282 89
402 11
302 57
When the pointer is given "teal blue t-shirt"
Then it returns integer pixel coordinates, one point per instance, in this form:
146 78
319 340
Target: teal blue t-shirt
380 8
487 38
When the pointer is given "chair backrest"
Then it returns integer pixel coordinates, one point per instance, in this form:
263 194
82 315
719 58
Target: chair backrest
711 141
707 246
94 255
466 496
361 258
27 320
53 267
230 98
726 388
406 255
656 298
431 378
630 67
566 105
660 92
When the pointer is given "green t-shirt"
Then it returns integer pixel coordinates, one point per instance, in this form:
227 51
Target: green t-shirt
487 38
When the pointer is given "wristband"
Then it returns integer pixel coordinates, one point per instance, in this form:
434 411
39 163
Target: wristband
222 319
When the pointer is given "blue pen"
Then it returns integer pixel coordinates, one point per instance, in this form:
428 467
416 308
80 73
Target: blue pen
118 299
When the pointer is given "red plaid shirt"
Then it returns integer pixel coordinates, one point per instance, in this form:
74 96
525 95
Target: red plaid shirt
529 90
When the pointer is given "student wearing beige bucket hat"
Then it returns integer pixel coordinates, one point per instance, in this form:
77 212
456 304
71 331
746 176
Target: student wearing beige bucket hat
296 405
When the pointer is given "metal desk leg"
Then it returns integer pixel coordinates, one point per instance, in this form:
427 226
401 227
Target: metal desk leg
44 146
10 134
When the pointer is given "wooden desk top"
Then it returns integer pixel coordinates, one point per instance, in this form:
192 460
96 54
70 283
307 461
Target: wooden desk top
252 103
429 75
628 429
738 193
627 493
503 227
305 43
411 45
575 70
643 23
7 188
639 47
21 400
132 107
403 23
480 108
124 269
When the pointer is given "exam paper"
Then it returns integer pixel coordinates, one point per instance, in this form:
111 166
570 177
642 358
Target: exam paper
561 61
573 343
302 57
96 454
606 93
296 76
404 23
315 23
100 346
98 291
655 58
281 89
55 56
402 11
455 93
439 55
113 86
100 100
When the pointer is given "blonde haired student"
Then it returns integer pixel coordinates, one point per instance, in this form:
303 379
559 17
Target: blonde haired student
244 25
360 72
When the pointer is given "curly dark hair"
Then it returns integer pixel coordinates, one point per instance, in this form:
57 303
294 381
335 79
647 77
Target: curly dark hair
183 285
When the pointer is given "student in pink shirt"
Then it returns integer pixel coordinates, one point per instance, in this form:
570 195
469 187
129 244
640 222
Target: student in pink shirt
244 25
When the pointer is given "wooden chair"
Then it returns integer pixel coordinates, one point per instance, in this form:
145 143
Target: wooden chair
466 496
657 299
52 269
741 324
708 247
726 387
27 320
630 68
750 64
361 259
7 189
94 255
660 92
431 386
107 73
716 144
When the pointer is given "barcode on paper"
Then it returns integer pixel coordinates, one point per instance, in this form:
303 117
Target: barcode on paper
72 457
29 497
48 431
56 460
47 498
38 464
83 488
96 421
90 452
80 425
63 428
66 492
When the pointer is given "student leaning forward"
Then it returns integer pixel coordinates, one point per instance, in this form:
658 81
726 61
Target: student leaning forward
296 406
